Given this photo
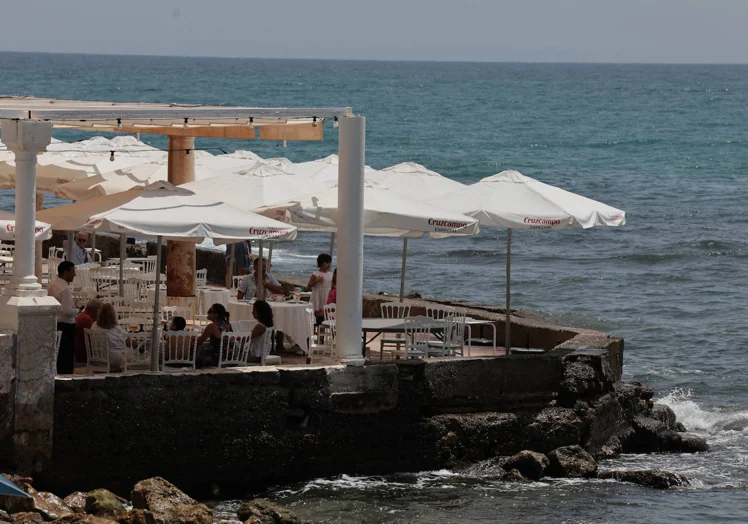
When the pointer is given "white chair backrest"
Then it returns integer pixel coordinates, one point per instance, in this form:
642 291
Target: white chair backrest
180 348
53 252
149 264
439 312
201 277
234 349
139 354
417 333
132 289
329 312
235 280
394 310
97 347
265 344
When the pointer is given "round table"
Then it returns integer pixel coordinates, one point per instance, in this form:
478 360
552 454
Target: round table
289 317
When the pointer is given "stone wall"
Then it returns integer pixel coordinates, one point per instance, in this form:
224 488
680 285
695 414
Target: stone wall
253 427
7 398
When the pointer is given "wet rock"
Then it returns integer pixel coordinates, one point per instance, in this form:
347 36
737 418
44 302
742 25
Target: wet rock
664 414
27 517
49 505
413 295
263 511
514 475
79 518
579 380
138 516
651 478
4 517
529 464
680 428
572 462
167 503
553 428
450 439
76 501
693 444
104 503
634 398
611 449
651 436
18 504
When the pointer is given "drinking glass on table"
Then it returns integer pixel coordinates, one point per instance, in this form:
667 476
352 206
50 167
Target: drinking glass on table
296 294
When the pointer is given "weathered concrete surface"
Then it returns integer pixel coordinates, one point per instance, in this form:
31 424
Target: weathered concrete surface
245 428
7 398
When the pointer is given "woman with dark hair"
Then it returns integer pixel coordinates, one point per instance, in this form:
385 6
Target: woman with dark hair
262 333
320 283
219 324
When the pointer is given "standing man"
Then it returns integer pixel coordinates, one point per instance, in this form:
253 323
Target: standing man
60 289
80 255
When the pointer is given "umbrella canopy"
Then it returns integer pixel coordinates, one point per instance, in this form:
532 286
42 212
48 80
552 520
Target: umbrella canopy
386 213
172 212
253 188
42 231
512 200
414 180
322 172
124 179
10 489
64 162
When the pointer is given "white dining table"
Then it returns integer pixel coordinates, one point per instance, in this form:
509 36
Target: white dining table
213 295
289 317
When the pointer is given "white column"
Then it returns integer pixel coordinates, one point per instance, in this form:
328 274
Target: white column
26 139
352 147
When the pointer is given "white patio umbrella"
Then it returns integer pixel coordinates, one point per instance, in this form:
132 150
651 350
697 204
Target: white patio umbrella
514 201
124 179
416 182
166 211
386 213
42 231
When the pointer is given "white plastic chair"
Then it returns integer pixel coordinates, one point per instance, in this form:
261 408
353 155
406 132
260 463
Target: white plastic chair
138 356
392 310
97 351
180 350
417 333
328 328
316 346
234 349
201 277
453 339
149 264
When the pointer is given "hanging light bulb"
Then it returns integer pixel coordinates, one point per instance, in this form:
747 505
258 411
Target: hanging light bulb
185 122
119 123
335 122
111 157
251 121
314 121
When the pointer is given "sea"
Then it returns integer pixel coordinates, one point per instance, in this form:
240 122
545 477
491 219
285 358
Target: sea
666 143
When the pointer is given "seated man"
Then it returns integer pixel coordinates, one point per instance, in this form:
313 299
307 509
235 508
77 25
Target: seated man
248 285
80 255
84 320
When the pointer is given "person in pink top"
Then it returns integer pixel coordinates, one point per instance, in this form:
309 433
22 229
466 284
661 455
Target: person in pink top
333 295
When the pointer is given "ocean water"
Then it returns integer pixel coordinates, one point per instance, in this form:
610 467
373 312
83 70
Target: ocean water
668 144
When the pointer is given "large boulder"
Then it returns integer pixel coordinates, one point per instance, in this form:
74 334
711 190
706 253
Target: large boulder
4 517
553 428
514 476
572 462
611 449
664 414
76 501
530 464
263 511
27 517
584 376
168 504
138 516
635 398
104 503
693 444
651 436
81 518
651 478
48 505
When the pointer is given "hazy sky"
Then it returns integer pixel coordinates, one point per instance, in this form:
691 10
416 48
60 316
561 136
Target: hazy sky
701 31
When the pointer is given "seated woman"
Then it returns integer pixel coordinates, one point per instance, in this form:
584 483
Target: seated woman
332 296
219 324
106 320
260 345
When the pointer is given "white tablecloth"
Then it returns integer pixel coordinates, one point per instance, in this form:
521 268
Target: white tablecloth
290 318
214 295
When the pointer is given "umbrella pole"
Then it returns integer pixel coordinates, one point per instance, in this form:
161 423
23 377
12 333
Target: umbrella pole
270 254
260 280
122 256
230 267
508 326
93 246
69 250
332 243
402 269
156 320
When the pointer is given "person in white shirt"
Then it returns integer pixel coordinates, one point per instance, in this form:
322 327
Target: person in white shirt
60 289
80 255
248 285
106 320
320 283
